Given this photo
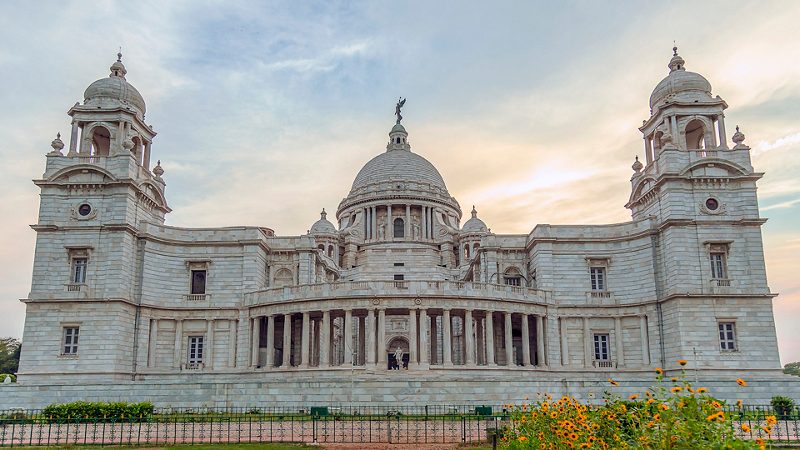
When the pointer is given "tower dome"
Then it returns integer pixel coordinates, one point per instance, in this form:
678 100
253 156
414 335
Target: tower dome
114 90
680 84
474 225
323 225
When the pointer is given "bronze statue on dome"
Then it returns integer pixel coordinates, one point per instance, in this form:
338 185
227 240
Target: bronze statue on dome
400 102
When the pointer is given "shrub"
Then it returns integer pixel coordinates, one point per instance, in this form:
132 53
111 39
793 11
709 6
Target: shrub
98 410
3 377
783 406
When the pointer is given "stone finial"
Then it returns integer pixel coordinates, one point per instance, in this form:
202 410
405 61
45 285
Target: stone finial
637 165
118 69
323 215
738 139
57 145
158 171
676 63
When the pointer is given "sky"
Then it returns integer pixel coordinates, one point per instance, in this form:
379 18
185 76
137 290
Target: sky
265 111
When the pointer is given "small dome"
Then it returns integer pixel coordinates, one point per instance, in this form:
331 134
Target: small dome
113 90
323 225
681 84
398 129
474 225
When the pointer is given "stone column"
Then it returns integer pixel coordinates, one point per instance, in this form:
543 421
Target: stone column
408 222
412 338
146 162
676 140
618 340
587 344
73 139
389 232
348 338
232 339
424 344
270 362
645 343
152 345
255 329
723 139
526 342
324 340
447 334
208 357
564 342
304 340
370 326
178 353
469 340
509 341
489 336
382 338
648 151
424 222
116 147
540 358
287 341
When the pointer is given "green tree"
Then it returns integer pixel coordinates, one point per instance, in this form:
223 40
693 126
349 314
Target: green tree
9 354
792 369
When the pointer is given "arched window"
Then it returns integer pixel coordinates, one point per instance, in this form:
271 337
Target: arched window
283 277
321 247
399 228
695 135
512 277
101 141
466 252
330 251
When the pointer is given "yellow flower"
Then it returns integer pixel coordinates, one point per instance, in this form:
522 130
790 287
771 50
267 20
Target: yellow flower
716 405
745 428
613 383
674 379
767 429
663 406
682 362
702 390
573 436
741 382
522 439
676 389
633 397
657 417
659 370
712 417
650 401
739 403
771 420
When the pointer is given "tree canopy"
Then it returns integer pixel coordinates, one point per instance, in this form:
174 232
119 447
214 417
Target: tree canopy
792 369
9 354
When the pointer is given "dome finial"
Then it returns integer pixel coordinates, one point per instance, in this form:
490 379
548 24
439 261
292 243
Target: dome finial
323 214
674 49
119 54
676 63
474 212
637 165
118 69
400 102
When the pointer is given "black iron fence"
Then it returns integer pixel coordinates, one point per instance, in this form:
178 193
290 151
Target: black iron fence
321 424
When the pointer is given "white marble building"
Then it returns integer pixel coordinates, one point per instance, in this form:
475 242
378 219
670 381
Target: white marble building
123 306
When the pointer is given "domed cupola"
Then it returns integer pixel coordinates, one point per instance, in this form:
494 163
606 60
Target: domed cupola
114 91
474 225
323 225
680 85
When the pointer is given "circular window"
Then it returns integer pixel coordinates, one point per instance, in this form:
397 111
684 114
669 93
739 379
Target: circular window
84 209
712 204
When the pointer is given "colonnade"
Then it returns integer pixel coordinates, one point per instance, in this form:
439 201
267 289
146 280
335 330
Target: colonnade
418 222
426 337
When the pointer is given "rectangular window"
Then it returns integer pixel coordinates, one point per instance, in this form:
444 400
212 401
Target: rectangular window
195 356
513 281
79 270
198 282
70 341
718 265
598 278
399 277
399 264
727 336
601 347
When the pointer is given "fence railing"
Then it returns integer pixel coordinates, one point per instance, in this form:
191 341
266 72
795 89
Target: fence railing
321 424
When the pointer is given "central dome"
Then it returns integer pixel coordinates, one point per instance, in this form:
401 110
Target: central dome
400 165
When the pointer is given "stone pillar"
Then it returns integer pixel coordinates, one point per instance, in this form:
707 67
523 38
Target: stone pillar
348 338
255 328
287 341
469 340
424 344
509 341
73 139
374 222
564 342
116 147
526 342
676 140
723 138
178 353
305 341
233 333
152 345
424 222
489 336
412 338
389 232
382 338
587 344
540 357
324 340
208 356
618 340
648 151
408 222
645 343
146 162
370 326
447 334
270 362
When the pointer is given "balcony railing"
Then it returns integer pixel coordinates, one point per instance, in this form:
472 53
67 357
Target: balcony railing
74 287
193 366
604 364
721 282
197 297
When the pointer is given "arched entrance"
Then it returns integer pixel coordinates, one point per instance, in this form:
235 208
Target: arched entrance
391 359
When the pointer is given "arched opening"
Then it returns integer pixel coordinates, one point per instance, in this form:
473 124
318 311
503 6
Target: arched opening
512 277
397 347
399 228
283 277
330 251
695 135
657 142
321 247
101 141
475 248
466 252
137 150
